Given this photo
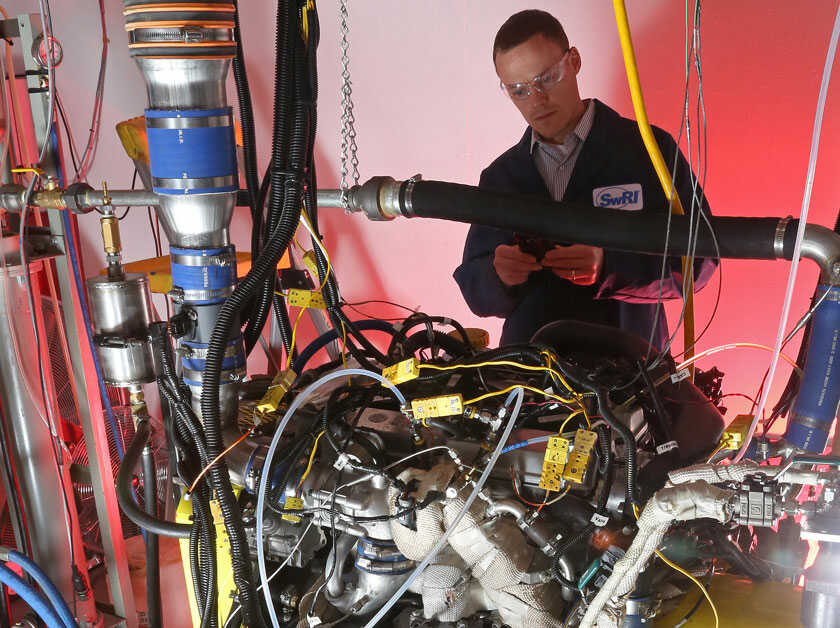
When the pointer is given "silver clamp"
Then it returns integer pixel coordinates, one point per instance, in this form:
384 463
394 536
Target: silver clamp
779 238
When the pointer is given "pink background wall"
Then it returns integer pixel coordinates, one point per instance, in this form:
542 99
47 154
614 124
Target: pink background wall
427 101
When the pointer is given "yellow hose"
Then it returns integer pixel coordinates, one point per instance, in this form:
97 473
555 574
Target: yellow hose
656 158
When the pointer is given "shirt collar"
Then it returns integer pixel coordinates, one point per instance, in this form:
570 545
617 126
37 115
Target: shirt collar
581 131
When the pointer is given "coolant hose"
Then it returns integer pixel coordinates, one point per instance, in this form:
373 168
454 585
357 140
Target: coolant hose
819 392
125 498
153 603
48 588
324 339
573 221
29 595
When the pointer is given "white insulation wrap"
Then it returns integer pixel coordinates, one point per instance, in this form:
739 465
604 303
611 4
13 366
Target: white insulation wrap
714 474
685 502
486 568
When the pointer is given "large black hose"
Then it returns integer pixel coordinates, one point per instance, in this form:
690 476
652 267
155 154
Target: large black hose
152 544
126 499
640 232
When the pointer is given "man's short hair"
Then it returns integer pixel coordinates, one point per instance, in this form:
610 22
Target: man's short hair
520 27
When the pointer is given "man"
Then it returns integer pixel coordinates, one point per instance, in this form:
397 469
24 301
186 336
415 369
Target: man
572 150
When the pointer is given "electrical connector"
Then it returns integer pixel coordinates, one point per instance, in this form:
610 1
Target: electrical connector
576 468
433 407
306 298
585 440
292 503
554 462
402 372
280 385
735 433
310 263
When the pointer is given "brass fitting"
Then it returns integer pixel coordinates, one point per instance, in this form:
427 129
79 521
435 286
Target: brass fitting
111 234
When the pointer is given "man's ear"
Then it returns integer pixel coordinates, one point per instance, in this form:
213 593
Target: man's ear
574 59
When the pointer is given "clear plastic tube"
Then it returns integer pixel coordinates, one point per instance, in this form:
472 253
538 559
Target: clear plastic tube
803 218
519 394
260 509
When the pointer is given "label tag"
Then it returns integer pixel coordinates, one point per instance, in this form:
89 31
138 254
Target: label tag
680 376
627 196
664 448
599 520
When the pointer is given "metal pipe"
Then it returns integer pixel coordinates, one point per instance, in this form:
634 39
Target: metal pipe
330 198
31 451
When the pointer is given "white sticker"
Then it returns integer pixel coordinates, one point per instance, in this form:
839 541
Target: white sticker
680 376
599 520
664 448
627 196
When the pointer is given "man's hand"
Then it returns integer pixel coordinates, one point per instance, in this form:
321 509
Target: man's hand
512 265
579 263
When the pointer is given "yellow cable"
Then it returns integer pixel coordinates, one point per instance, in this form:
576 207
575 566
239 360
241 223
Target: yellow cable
699 584
311 460
305 218
571 416
526 367
656 158
292 344
717 450
510 388
679 569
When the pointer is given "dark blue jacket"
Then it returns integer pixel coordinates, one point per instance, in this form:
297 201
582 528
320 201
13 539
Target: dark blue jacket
626 292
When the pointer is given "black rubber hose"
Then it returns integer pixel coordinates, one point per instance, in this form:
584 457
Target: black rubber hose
640 232
420 340
152 545
419 319
126 499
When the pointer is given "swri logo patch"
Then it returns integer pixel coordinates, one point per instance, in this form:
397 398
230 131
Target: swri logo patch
628 196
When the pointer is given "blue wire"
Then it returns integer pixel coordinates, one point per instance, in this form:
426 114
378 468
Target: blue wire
31 597
47 587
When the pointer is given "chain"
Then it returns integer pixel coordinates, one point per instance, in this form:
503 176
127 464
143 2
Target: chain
348 120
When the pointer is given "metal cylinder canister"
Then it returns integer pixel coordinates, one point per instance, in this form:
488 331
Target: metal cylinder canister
120 314
819 392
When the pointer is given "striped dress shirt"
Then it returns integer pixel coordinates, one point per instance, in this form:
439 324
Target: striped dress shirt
556 162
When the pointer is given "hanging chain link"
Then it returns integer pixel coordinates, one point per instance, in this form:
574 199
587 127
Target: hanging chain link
348 130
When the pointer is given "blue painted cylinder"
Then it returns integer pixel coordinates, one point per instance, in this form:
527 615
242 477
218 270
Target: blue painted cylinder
203 275
192 151
819 392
